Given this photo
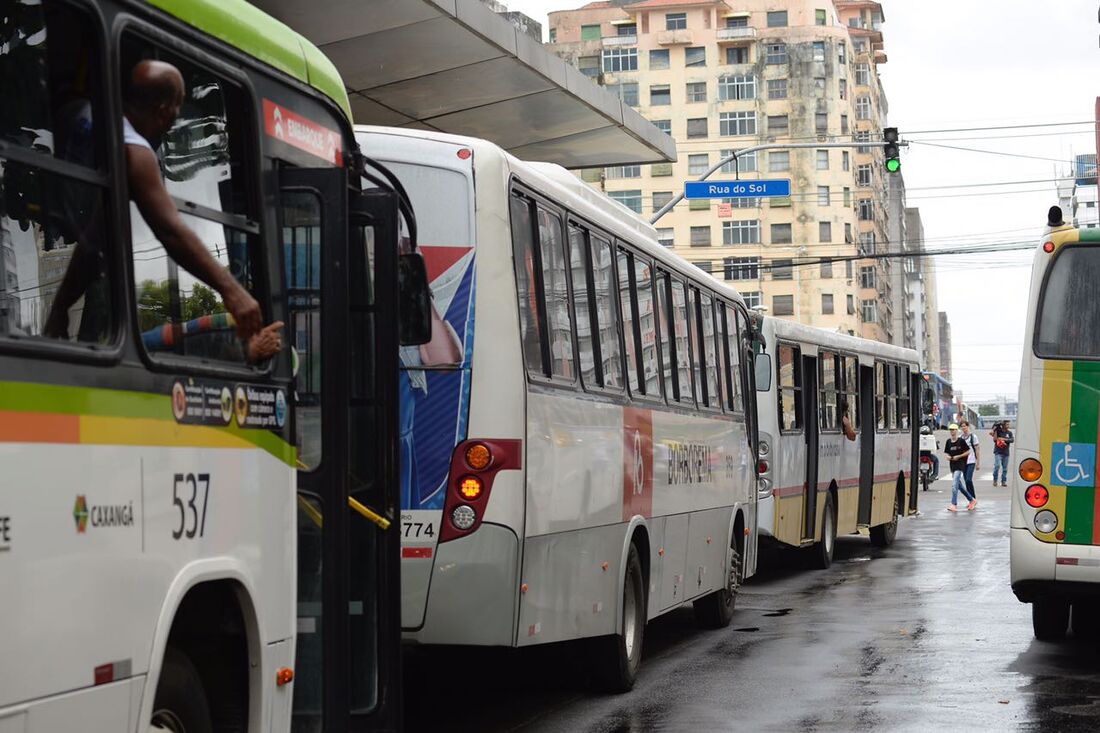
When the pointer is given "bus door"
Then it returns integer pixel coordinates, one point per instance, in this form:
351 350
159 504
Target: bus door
347 655
811 422
915 384
867 435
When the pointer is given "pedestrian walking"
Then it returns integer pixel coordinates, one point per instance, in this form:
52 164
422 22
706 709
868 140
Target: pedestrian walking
1002 439
958 452
974 461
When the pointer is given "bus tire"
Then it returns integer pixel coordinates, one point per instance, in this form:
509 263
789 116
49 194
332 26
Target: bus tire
1049 618
180 705
715 611
618 657
883 535
822 552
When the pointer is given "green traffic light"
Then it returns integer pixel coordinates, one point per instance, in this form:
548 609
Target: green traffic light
893 165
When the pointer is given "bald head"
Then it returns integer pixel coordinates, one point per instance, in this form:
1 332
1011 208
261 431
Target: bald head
153 84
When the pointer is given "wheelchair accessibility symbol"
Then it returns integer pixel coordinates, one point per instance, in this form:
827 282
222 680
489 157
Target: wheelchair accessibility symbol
1074 463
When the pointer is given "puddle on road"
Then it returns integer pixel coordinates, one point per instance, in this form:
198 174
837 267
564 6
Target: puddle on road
780 612
748 628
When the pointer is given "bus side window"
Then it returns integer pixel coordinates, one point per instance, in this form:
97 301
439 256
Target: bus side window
681 341
56 261
790 388
903 397
849 372
587 347
647 324
301 225
602 263
559 325
828 420
205 163
631 330
707 350
880 396
891 392
527 268
740 366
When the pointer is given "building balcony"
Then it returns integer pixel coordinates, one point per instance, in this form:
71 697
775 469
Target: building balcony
680 37
880 57
726 35
614 41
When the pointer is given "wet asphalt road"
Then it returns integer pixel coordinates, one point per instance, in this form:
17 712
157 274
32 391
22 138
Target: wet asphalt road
923 635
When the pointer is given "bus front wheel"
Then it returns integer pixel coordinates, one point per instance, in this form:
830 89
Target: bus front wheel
883 535
715 611
1049 618
180 705
618 657
822 552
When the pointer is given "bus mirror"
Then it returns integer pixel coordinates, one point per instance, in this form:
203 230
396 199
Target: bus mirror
763 364
414 306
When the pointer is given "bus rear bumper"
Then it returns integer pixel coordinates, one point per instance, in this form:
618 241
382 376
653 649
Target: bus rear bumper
472 597
1049 570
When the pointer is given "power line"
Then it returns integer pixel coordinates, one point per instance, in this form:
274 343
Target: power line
991 152
1000 127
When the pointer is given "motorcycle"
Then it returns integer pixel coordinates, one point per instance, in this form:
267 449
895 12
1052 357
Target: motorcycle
925 471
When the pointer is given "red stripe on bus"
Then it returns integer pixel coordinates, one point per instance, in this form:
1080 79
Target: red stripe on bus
1065 561
416 552
787 490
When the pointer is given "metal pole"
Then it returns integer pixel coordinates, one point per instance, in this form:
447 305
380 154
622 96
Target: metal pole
770 146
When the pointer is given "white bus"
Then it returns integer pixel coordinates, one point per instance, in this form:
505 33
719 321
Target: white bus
154 479
817 483
1055 535
572 465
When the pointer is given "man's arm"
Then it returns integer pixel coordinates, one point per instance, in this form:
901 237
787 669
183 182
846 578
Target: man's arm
156 206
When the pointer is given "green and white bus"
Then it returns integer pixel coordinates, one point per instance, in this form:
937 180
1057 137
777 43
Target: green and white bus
190 541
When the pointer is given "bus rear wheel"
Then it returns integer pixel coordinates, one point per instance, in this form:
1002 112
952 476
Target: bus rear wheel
715 611
180 705
618 657
822 552
883 535
1049 618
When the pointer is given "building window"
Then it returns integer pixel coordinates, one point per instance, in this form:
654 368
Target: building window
742 268
819 86
867 243
782 270
737 55
827 304
754 299
704 265
782 305
695 56
698 164
870 311
746 203
589 66
826 269
658 59
592 175
863 75
819 17
659 170
745 163
777 19
848 240
620 59
736 87
867 277
660 198
659 95
590 32
866 210
697 127
822 195
781 233
627 29
823 160
821 123
775 53
863 175
859 47
665 237
843 88
778 125
851 305
825 234
696 91
777 88
844 124
847 202
676 21
627 92
732 124
741 232
842 53
862 136
622 171
779 160
845 160
553 35
819 51
700 236
630 199
740 21
664 126
863 108
698 204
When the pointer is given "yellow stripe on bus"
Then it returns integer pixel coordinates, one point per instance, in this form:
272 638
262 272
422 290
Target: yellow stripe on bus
145 431
1057 379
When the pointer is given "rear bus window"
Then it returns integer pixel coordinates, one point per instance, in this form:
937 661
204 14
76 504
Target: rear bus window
1069 311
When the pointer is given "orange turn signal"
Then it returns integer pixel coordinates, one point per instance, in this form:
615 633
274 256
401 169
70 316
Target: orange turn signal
283 676
478 456
1030 469
470 487
1036 495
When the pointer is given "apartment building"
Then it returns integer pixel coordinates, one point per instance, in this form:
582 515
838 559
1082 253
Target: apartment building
722 76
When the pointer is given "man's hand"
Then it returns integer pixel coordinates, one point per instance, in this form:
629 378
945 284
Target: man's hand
266 343
245 310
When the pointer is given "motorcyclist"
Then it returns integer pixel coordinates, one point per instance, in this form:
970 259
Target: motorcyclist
929 445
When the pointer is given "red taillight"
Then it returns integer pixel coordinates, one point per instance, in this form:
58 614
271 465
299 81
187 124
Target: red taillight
1048 247
465 153
474 466
762 467
284 676
1036 496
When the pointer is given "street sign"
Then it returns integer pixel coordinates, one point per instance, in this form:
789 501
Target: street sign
737 189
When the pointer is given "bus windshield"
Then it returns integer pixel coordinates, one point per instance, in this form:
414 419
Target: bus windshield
1069 312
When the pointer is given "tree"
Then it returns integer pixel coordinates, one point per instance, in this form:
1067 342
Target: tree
988 410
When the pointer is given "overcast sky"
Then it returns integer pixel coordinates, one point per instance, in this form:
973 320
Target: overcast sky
981 63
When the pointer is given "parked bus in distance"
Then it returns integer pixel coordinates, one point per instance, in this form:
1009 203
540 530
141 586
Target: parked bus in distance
816 482
938 406
576 453
157 470
1055 530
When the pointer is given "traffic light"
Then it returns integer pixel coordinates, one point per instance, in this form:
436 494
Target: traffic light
893 157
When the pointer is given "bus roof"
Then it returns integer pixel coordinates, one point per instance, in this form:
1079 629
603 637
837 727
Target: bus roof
840 341
249 29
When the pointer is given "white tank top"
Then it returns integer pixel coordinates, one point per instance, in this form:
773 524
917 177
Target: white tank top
130 136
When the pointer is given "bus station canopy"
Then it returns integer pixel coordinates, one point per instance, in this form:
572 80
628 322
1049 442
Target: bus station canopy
458 67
